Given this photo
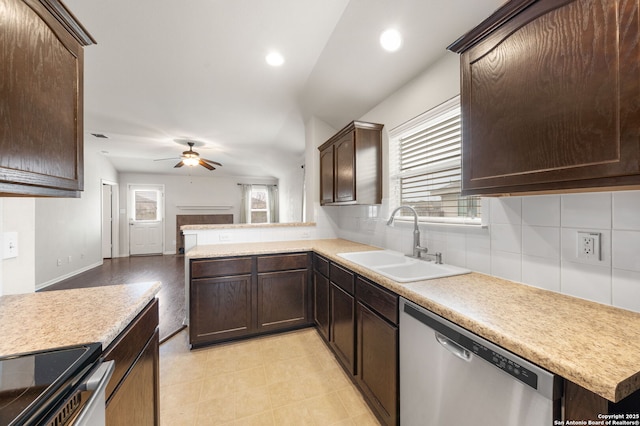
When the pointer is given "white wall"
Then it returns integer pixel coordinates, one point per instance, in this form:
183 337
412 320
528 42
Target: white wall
55 228
317 132
290 189
70 229
184 191
18 274
529 239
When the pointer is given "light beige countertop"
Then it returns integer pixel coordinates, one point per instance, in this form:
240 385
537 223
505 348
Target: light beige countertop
595 346
244 225
51 319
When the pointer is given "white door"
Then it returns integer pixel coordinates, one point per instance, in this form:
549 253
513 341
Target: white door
146 220
107 222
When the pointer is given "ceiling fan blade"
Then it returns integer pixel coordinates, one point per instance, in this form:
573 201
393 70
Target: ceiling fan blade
180 164
207 166
163 159
211 161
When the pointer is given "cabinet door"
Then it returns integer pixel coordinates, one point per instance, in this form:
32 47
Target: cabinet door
345 183
378 363
135 401
326 175
41 136
547 101
220 308
343 327
282 300
321 303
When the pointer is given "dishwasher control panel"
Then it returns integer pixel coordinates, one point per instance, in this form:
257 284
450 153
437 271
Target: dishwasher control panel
504 363
500 360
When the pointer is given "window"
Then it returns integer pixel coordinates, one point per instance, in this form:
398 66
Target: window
259 204
426 166
146 205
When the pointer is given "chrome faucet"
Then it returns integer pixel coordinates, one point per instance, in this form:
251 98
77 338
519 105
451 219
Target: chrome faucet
418 250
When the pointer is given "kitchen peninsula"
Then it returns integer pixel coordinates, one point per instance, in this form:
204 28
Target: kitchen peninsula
593 346
123 318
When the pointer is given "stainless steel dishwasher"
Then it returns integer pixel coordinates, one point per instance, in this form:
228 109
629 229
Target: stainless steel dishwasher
452 377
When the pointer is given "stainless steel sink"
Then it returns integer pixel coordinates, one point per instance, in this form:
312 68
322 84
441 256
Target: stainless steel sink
400 268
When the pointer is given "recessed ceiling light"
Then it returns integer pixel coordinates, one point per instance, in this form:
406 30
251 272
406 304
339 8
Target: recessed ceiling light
274 59
391 40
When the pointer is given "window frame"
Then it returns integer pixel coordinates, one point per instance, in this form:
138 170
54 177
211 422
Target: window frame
439 113
265 189
158 202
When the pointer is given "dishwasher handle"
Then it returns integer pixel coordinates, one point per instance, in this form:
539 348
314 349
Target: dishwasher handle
453 347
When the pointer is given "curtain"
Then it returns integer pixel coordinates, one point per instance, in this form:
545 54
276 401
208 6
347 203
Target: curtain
245 206
273 203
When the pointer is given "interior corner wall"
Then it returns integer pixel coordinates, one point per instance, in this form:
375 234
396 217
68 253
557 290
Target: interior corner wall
317 132
291 187
222 193
69 230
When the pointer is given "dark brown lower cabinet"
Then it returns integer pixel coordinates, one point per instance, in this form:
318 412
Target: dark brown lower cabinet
282 299
343 327
321 303
220 309
581 404
242 296
135 401
132 394
377 350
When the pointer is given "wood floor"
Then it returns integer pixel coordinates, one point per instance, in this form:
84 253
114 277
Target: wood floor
168 269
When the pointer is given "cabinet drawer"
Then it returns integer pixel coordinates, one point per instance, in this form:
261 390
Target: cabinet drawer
321 265
342 278
220 267
382 301
282 262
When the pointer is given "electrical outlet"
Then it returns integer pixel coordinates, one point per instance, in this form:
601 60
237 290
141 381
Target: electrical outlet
588 245
224 237
59 262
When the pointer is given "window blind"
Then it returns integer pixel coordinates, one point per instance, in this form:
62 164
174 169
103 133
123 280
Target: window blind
430 167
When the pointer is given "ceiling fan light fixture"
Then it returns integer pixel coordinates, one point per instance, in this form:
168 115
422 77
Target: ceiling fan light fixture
191 160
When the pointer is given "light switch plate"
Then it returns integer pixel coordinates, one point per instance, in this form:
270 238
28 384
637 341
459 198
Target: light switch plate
9 245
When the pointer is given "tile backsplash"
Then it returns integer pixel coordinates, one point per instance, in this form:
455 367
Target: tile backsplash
532 240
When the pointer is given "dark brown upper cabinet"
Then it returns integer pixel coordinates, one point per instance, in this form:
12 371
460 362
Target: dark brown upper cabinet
41 131
351 165
551 98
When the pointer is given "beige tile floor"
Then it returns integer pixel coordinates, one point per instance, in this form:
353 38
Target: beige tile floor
284 379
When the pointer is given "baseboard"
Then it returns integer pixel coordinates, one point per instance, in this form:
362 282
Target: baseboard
69 275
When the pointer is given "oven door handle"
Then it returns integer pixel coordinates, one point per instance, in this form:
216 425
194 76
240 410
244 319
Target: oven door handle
96 383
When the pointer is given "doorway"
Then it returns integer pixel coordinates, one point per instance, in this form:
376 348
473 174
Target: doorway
109 219
146 219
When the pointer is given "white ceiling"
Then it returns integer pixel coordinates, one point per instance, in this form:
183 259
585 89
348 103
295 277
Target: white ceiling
164 70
